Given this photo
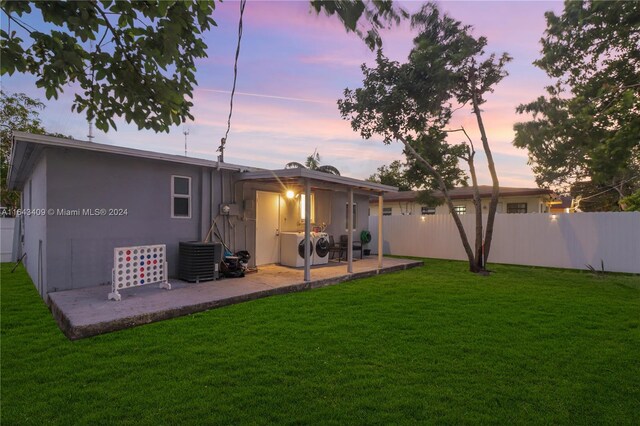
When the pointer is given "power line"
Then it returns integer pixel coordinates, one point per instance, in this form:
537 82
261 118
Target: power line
609 189
223 141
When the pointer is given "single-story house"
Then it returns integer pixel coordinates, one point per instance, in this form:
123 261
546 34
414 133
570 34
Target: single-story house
511 200
83 199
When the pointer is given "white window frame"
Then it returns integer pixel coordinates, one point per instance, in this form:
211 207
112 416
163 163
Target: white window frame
424 209
384 211
174 196
460 209
302 208
518 206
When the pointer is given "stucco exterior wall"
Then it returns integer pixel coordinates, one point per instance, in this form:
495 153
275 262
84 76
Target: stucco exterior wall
338 225
34 226
82 246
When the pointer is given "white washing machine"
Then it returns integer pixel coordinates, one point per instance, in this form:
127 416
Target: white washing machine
292 249
320 248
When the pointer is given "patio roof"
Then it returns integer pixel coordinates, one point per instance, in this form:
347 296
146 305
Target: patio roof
298 174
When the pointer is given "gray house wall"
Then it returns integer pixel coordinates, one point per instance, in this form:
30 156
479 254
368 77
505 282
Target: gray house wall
338 225
34 226
82 246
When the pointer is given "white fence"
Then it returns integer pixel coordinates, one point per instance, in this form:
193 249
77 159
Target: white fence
6 238
562 240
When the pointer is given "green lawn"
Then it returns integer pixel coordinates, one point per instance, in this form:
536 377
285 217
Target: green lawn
433 344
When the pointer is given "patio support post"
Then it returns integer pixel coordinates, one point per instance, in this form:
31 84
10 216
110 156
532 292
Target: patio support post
380 231
350 232
307 230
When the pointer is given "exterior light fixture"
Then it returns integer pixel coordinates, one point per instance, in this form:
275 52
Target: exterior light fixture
290 194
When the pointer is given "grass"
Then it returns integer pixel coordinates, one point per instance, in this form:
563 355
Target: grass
434 344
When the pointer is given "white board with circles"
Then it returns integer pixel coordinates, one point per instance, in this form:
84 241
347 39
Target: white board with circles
138 265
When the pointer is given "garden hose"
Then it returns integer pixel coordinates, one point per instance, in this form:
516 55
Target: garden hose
365 237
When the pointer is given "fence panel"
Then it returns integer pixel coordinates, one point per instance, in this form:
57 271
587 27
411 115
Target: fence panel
539 239
6 238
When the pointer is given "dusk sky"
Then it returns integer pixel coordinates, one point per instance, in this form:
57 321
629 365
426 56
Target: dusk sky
293 67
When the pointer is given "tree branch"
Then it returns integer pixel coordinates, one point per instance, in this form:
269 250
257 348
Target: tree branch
124 51
17 21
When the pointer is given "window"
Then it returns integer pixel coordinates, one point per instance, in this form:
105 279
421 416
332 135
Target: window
181 197
427 210
302 208
386 211
355 216
516 207
460 209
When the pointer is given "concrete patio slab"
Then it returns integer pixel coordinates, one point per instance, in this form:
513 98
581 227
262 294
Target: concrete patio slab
87 312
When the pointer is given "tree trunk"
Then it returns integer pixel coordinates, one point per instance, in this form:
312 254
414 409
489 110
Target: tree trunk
479 260
463 235
495 190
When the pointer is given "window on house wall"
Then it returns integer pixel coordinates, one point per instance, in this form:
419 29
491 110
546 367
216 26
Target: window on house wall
386 211
460 209
303 208
180 197
516 207
355 216
427 210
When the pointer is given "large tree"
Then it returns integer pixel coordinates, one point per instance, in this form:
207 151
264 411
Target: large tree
18 112
585 132
136 60
413 103
365 18
395 174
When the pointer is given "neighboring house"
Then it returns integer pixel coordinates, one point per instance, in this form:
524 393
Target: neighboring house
511 200
561 204
86 198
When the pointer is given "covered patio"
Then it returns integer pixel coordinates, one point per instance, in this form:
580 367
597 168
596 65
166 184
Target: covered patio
303 181
86 312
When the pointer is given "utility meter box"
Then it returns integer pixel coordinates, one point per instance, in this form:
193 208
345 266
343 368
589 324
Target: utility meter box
227 209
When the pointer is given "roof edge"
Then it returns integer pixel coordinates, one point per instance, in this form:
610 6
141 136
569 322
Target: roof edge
115 149
299 172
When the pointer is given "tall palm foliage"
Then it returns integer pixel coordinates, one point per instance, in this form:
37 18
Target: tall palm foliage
313 163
